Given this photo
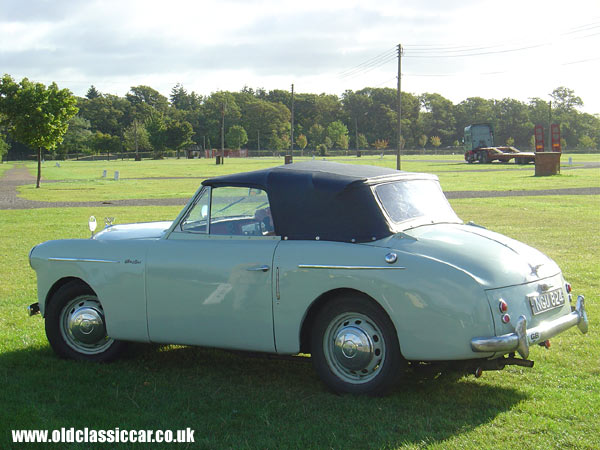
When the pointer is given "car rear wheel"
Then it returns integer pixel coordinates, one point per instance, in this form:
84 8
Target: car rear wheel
355 347
76 325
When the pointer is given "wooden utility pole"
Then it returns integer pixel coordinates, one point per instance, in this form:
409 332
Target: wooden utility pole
356 133
550 126
292 131
137 153
400 51
223 107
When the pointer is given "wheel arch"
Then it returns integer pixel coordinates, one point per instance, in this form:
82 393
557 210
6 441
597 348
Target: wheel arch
59 284
321 301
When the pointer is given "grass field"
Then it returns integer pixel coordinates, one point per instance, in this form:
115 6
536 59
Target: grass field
83 181
238 401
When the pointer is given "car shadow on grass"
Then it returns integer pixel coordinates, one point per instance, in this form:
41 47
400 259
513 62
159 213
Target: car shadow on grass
235 400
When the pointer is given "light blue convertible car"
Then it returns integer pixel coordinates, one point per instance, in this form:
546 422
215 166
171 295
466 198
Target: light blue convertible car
367 269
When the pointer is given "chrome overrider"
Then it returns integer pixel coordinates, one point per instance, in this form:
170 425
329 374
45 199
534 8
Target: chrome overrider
522 338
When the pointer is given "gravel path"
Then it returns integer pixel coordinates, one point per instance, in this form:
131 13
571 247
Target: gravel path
20 175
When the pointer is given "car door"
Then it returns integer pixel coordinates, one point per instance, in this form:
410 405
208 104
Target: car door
210 282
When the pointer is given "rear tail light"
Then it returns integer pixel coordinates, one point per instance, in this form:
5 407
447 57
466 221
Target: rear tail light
505 318
502 305
568 287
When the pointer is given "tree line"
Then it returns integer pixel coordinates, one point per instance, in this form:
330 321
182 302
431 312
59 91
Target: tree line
144 120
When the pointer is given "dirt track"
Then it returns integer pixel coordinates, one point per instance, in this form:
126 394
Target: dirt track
20 175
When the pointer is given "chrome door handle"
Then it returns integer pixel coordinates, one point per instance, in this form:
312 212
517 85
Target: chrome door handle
264 268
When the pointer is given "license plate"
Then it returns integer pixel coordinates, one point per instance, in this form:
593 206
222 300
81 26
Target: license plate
548 300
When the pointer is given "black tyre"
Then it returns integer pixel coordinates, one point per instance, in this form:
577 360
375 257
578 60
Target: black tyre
76 327
355 347
484 158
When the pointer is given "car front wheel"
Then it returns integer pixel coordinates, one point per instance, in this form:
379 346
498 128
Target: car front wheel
355 347
76 325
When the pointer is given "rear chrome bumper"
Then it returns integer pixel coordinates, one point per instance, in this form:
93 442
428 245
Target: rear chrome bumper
522 338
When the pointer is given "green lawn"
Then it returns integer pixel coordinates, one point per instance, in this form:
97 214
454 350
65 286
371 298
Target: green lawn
238 401
4 167
83 181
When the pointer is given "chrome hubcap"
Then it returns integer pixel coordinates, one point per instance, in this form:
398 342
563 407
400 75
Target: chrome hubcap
86 325
354 348
82 325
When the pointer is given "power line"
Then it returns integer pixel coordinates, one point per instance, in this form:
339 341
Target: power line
455 51
368 63
477 54
581 61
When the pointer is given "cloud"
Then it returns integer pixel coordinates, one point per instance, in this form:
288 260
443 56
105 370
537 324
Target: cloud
225 44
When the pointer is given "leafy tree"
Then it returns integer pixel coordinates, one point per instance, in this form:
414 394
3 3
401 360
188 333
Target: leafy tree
435 141
357 107
473 110
105 113
381 144
4 146
586 142
145 95
316 135
263 119
338 133
236 137
136 133
423 140
512 120
181 100
105 143
92 93
362 141
36 115
538 111
328 142
301 142
77 137
157 133
565 99
279 96
438 117
277 142
215 107
178 135
373 111
179 97
510 142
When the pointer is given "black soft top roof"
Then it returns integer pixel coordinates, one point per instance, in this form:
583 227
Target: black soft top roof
328 200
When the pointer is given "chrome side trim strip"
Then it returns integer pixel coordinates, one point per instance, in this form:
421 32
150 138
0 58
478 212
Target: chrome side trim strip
263 268
84 260
318 266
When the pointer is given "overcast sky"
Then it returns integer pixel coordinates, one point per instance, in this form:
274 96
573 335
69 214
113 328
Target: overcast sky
459 49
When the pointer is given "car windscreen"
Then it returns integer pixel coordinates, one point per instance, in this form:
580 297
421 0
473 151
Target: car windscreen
415 199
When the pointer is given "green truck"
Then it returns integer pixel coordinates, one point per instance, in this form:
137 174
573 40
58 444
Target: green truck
479 147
